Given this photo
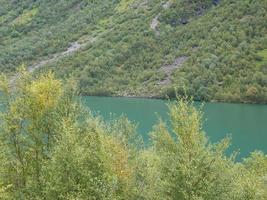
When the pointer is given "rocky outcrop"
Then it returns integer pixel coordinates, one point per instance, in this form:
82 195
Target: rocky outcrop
169 69
155 21
167 5
154 24
216 2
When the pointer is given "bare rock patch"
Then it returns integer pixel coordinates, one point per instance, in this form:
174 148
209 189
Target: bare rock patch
169 69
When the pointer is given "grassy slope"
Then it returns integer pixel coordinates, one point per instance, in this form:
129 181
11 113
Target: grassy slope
224 44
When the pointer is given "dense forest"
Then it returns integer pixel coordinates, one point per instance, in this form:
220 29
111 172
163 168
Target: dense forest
213 50
53 148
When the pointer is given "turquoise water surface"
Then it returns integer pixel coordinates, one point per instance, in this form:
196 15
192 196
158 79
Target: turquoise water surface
245 123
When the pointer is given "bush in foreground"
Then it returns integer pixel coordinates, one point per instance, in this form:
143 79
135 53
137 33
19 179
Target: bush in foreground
52 148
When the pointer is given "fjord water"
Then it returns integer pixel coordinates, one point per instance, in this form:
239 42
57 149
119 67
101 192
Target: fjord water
245 123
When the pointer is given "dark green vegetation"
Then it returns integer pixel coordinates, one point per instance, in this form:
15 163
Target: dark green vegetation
52 148
210 49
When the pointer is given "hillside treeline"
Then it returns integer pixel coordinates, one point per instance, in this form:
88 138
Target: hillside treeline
224 43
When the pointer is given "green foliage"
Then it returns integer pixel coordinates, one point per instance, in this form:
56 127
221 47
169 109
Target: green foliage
123 5
223 41
25 18
53 148
192 168
262 58
181 12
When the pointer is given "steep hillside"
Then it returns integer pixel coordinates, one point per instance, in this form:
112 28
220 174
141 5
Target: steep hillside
211 49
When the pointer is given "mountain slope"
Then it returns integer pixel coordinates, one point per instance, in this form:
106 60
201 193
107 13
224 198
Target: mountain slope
213 50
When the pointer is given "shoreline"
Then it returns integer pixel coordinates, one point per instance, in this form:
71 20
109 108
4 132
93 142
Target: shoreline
166 99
